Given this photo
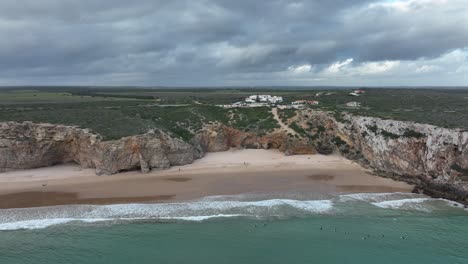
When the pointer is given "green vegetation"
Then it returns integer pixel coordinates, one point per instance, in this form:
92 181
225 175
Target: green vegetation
104 118
382 132
413 134
298 129
387 134
373 128
253 119
338 117
286 114
339 142
408 133
440 107
114 119
115 112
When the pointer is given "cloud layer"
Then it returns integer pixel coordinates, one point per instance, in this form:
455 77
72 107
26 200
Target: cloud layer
242 42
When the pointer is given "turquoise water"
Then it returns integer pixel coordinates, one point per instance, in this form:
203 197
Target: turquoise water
362 228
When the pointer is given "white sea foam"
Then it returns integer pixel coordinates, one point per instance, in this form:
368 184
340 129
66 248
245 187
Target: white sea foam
200 218
36 218
425 204
376 197
33 224
44 223
410 204
213 208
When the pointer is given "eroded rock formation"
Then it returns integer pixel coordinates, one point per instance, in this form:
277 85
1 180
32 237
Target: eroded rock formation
433 158
215 138
28 145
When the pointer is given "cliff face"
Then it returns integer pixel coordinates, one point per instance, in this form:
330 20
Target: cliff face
433 158
215 138
409 148
28 145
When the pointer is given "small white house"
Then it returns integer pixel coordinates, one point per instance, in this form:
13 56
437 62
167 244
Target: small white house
353 104
276 99
250 100
285 106
299 104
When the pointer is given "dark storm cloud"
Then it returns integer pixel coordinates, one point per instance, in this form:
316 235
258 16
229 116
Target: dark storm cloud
164 42
377 34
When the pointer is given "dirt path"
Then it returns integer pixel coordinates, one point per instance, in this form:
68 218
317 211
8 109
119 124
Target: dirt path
284 127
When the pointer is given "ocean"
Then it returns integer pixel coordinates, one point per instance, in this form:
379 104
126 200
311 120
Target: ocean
255 228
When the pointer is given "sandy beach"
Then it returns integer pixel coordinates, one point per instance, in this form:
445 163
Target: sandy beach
223 173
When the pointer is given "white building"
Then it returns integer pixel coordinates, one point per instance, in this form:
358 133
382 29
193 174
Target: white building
251 100
276 99
258 105
299 104
285 106
353 104
264 98
357 92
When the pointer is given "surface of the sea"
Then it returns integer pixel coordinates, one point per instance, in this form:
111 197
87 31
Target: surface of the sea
353 228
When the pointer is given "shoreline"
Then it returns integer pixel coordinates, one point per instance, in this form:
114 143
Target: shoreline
223 173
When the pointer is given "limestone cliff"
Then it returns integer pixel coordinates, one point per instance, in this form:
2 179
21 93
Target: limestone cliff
433 158
215 138
28 145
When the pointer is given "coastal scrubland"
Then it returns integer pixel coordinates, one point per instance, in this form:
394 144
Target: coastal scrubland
116 112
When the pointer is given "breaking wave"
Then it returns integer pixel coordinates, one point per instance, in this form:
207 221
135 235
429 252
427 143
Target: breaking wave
36 218
401 201
222 207
396 204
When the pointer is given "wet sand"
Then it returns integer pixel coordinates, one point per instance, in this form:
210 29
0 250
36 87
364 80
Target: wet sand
225 173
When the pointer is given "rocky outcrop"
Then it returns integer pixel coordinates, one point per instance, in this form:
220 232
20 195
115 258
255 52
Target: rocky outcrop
409 148
433 158
28 145
215 138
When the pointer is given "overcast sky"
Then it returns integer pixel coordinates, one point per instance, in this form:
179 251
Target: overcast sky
234 42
